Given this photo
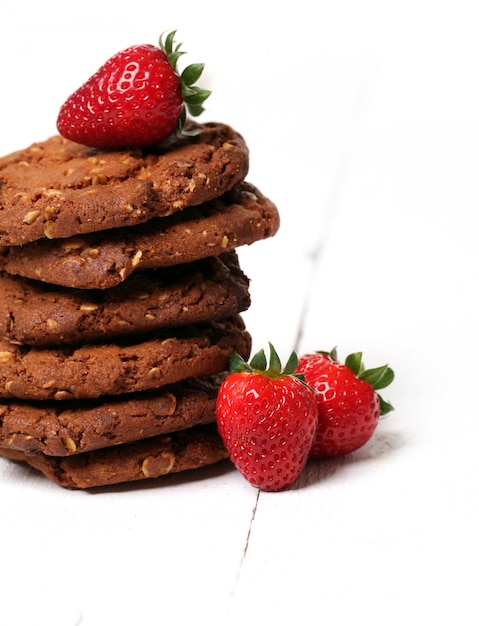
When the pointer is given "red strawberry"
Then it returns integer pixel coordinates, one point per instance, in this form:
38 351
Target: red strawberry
135 99
349 407
267 418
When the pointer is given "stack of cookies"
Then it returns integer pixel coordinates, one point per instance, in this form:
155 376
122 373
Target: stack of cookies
120 302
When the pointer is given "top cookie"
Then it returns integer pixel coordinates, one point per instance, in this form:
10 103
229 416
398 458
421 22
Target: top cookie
57 188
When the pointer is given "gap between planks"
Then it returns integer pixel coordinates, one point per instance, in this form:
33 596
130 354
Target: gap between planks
339 182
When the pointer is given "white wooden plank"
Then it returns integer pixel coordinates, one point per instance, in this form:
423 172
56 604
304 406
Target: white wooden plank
390 533
120 554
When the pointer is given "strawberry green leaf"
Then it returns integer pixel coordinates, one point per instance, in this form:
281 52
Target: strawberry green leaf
291 365
378 377
168 47
195 95
333 354
258 362
173 58
274 362
170 38
354 362
384 407
238 364
195 110
193 98
192 73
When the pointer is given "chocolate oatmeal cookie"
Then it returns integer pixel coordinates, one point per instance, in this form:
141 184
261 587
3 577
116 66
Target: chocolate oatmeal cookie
101 260
58 188
38 314
73 427
130 365
149 458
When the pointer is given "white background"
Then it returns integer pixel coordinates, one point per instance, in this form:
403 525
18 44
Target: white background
362 120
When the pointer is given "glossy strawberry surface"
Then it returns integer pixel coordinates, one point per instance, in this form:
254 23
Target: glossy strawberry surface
133 100
267 424
136 99
349 407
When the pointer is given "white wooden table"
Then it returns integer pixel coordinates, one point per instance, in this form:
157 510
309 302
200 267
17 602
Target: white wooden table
363 126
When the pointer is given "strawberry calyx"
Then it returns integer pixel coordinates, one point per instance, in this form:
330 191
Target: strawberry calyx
377 377
193 96
259 364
